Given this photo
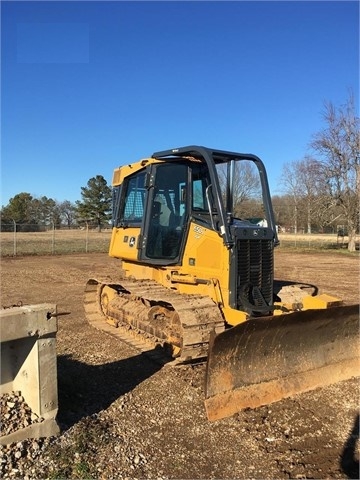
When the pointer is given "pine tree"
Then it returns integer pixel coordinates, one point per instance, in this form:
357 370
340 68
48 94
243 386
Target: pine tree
95 206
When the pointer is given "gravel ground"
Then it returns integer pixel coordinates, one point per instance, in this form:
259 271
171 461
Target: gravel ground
123 416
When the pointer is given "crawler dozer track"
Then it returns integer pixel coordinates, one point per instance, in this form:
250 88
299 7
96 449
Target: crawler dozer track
148 315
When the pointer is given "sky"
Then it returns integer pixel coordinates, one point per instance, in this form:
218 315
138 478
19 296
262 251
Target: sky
89 86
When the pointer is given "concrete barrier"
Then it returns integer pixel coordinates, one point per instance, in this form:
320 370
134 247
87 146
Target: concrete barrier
28 365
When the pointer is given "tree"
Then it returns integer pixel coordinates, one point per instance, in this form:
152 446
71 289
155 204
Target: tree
96 202
283 210
338 146
304 181
67 212
246 189
30 212
20 210
292 186
47 211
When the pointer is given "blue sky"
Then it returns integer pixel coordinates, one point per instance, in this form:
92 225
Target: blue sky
89 86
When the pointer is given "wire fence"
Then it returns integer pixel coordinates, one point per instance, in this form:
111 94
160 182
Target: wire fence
313 241
52 241
325 241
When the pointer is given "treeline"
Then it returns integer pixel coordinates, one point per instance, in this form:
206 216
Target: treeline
31 213
324 189
299 214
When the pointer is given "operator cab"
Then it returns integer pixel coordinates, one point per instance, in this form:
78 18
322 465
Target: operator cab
191 184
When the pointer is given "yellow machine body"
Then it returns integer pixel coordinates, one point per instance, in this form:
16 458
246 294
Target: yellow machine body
199 281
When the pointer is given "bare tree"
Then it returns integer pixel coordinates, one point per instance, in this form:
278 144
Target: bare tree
311 177
293 188
338 146
246 188
283 210
304 182
68 212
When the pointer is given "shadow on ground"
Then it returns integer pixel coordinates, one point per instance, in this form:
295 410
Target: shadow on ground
87 389
349 461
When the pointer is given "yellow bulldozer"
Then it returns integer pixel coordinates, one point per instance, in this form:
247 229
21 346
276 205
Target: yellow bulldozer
198 281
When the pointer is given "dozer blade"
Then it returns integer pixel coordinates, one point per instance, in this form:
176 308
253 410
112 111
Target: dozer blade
266 359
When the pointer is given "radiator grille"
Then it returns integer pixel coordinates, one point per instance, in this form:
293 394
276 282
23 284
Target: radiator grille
254 269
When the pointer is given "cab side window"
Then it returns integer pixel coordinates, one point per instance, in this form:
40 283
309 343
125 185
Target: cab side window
132 210
201 190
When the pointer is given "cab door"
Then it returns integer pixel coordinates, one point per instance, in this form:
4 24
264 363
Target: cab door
165 220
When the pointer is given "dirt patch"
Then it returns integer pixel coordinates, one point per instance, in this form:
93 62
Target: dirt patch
122 416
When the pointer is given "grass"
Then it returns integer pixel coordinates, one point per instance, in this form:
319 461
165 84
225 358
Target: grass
311 242
54 242
77 459
57 242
